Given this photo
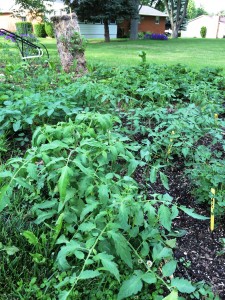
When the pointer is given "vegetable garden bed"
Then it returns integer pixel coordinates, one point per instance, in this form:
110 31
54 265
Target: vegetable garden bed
106 183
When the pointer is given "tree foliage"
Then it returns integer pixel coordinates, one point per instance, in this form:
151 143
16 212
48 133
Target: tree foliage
96 10
177 11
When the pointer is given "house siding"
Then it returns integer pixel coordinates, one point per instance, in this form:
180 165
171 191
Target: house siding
92 31
215 27
148 23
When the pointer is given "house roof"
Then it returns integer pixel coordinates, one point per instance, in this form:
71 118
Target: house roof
149 11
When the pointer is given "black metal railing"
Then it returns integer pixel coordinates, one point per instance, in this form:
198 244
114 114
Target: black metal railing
26 48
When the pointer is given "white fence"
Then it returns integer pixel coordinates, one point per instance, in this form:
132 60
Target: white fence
91 31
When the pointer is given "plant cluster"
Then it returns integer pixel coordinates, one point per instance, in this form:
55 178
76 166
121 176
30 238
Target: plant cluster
85 225
39 30
155 36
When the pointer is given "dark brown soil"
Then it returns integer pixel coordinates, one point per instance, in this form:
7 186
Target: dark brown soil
197 251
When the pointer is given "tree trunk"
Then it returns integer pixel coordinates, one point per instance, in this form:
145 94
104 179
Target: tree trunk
69 42
134 29
106 30
175 31
135 22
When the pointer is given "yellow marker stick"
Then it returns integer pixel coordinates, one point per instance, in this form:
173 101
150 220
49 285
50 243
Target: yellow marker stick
212 218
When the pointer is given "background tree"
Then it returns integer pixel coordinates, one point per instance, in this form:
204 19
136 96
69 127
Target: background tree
191 10
97 10
177 11
137 4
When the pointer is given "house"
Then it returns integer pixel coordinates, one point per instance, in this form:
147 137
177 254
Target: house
10 13
151 20
215 26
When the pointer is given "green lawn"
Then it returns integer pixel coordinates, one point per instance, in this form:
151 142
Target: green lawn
196 53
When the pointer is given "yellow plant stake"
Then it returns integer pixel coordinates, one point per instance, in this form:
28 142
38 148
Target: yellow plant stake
212 218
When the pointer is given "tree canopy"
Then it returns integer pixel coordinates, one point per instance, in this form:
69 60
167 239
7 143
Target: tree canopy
106 11
177 11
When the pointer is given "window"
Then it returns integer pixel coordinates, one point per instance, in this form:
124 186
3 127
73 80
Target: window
157 20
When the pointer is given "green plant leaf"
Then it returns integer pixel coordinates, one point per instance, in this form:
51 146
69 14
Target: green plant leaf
65 251
122 248
54 145
17 125
164 180
130 287
88 274
149 278
169 268
153 174
190 212
31 237
165 216
44 215
132 166
103 193
64 182
11 250
160 252
88 226
108 264
4 199
64 295
172 296
183 285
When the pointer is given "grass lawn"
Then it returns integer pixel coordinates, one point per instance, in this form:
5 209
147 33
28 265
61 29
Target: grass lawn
196 53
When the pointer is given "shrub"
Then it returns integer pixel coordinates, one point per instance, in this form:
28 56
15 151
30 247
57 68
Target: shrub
24 28
203 31
39 30
141 35
155 36
49 29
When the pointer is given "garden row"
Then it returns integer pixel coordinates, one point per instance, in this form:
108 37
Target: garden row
81 165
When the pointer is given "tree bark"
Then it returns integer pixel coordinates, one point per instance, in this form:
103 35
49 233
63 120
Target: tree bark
134 29
181 11
66 26
106 30
135 22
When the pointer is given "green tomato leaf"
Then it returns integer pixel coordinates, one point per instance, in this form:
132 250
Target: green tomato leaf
190 212
172 296
130 287
122 248
165 216
183 285
149 278
64 295
169 268
64 182
108 264
88 274
164 180
153 174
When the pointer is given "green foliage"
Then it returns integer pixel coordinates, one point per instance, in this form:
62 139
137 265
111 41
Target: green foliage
87 228
39 30
49 29
24 28
203 31
76 43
